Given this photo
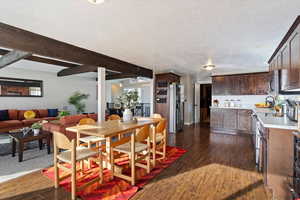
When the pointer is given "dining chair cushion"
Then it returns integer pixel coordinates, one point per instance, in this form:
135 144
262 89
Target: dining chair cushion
159 138
126 148
81 154
91 139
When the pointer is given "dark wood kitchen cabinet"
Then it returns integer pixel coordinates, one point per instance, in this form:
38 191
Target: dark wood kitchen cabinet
244 120
231 121
287 58
241 84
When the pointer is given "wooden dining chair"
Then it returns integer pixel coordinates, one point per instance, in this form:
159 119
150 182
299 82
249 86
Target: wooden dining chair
88 140
156 116
71 155
137 152
114 117
160 144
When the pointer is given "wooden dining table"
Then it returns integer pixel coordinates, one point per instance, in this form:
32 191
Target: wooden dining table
109 129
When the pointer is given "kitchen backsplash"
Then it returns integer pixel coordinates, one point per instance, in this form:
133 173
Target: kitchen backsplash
248 100
245 100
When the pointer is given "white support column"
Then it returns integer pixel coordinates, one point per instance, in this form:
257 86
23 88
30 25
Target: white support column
152 96
101 94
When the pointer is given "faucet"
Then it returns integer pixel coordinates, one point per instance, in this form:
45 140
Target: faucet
270 100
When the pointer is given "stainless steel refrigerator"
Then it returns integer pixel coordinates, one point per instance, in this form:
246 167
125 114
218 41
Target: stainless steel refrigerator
176 114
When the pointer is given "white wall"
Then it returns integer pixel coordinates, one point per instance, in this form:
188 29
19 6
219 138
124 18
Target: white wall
57 90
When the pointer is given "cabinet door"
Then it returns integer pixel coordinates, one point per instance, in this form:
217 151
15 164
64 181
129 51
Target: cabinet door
235 85
244 120
247 85
284 82
216 118
230 118
294 76
218 85
262 84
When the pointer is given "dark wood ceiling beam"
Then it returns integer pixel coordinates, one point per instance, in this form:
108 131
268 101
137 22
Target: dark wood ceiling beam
120 76
76 70
16 38
12 57
43 60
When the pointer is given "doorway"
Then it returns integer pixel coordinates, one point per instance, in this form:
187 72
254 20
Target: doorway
205 103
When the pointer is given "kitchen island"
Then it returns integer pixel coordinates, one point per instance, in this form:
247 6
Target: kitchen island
273 142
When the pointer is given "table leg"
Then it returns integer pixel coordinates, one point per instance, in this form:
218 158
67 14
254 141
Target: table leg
21 149
154 146
41 144
132 158
14 146
77 138
48 144
109 153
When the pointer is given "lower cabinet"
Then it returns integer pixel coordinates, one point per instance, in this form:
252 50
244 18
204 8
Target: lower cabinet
231 121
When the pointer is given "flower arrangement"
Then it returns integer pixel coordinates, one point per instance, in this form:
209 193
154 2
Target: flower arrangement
129 99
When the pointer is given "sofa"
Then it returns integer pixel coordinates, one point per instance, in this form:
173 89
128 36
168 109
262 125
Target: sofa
15 119
67 121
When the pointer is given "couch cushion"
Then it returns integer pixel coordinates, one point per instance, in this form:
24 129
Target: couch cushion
21 114
29 122
4 115
93 116
13 114
10 124
49 118
71 119
43 113
53 112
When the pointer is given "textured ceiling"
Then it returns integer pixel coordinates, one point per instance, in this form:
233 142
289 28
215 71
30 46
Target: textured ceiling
238 35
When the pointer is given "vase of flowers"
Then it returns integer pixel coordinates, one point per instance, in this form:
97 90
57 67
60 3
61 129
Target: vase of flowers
128 100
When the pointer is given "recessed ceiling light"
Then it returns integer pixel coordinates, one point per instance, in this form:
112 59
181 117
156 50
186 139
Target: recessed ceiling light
96 1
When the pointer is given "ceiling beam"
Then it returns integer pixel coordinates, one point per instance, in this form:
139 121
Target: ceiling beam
76 70
12 57
120 76
16 38
43 60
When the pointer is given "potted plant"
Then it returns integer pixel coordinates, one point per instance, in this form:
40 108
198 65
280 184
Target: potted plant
76 100
63 113
128 100
36 127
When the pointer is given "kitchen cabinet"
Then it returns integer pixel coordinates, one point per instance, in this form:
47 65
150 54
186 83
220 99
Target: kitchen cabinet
287 59
216 118
231 121
244 120
241 84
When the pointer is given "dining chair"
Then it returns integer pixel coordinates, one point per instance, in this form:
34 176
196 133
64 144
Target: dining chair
114 117
156 115
72 154
137 152
160 144
88 140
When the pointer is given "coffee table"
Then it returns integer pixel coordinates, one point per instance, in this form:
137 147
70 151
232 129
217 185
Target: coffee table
21 139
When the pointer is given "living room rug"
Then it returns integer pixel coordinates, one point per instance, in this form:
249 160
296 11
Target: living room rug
116 189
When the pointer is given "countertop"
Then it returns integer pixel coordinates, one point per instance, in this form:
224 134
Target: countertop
266 117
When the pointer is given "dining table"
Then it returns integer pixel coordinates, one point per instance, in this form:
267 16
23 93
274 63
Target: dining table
113 128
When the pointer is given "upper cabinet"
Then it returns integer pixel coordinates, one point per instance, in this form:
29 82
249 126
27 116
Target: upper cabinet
241 84
286 58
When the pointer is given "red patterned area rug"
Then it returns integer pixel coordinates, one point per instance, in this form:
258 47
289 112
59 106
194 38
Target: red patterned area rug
116 189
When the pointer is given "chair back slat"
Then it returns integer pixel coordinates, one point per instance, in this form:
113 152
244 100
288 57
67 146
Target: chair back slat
143 134
156 115
87 121
161 126
114 117
62 141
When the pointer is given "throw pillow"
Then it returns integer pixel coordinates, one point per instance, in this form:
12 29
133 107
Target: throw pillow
52 112
4 115
29 114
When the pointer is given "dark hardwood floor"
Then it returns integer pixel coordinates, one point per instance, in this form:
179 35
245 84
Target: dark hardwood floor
216 166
